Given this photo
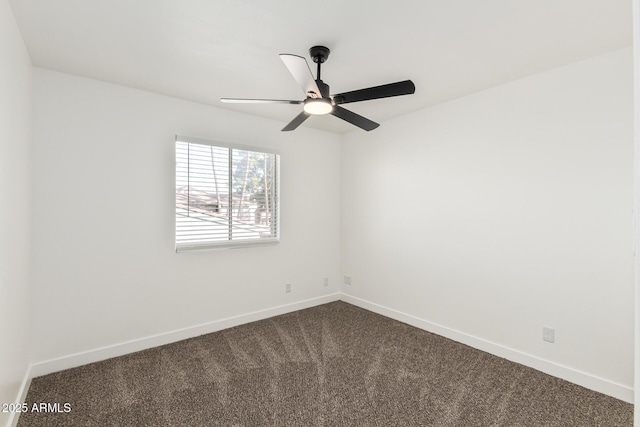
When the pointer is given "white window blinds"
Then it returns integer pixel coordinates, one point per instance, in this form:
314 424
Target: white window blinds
226 195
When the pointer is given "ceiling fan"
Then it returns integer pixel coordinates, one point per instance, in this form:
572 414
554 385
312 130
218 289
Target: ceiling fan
318 101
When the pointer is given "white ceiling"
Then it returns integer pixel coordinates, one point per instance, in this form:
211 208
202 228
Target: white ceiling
202 50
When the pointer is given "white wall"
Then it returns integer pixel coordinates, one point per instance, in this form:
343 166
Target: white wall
104 267
15 141
636 199
499 213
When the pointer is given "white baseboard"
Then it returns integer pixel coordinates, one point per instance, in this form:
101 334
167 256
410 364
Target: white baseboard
78 359
584 379
21 397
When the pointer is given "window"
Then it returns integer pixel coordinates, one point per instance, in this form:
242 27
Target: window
226 195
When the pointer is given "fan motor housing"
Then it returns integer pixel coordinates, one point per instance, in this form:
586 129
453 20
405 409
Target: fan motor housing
324 89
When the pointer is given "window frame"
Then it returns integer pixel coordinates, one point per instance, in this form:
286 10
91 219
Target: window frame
228 244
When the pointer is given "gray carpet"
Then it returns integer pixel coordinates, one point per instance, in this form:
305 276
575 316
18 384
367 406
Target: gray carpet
331 365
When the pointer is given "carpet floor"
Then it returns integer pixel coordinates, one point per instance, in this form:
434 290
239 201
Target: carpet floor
331 365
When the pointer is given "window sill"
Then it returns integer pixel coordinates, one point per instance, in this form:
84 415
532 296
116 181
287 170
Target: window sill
225 246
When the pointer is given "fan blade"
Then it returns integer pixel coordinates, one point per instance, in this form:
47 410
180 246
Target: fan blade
258 101
384 91
354 119
297 121
299 69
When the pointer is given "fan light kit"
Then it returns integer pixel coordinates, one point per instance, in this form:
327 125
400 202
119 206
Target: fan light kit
318 101
317 106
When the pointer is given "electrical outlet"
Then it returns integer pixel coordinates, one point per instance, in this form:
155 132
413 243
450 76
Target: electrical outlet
326 281
347 280
548 334
287 288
